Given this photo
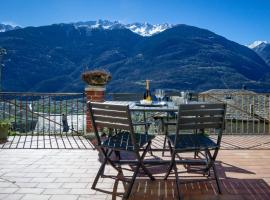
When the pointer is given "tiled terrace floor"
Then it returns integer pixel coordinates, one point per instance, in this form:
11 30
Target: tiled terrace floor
78 142
27 174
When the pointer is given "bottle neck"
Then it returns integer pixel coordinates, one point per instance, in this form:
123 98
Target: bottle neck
147 84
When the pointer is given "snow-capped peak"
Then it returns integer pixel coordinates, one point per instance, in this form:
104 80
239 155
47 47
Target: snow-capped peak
257 43
146 29
8 27
143 29
105 24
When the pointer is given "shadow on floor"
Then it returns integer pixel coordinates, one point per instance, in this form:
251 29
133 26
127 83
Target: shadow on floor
195 187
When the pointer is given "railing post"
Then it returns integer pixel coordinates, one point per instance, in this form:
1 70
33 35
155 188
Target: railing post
251 108
95 94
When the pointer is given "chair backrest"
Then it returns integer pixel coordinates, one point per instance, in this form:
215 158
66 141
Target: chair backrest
201 116
104 115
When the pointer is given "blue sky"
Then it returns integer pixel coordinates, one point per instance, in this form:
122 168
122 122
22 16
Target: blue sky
240 20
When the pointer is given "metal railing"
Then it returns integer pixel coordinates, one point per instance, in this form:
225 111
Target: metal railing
56 117
248 113
58 120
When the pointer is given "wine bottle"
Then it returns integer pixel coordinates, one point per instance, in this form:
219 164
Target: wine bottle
147 94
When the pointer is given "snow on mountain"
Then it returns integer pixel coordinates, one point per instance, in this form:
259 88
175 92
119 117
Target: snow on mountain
262 48
7 27
105 24
146 29
257 43
143 29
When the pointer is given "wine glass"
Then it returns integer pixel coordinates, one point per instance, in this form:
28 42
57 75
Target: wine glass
184 95
162 94
157 94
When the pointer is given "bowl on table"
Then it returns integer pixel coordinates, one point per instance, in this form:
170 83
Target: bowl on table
145 102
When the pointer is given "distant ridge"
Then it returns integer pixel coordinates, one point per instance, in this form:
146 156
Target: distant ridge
143 29
180 57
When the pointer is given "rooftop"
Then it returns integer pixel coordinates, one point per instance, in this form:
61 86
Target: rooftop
229 91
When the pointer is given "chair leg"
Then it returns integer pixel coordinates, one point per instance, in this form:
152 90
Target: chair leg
150 149
140 165
169 171
146 171
165 129
118 154
146 132
211 164
127 194
164 146
140 159
110 161
170 146
100 171
173 159
177 180
106 154
196 153
216 178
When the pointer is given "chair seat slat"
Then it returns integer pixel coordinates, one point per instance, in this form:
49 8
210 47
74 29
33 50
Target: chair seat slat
122 141
199 126
187 120
202 112
201 106
193 142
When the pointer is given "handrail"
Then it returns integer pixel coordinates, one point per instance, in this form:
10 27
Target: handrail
39 94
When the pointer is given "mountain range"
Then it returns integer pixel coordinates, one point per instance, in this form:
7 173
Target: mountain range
51 58
143 29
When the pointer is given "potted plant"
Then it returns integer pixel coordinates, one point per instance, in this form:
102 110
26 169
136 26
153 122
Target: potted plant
4 130
96 77
96 81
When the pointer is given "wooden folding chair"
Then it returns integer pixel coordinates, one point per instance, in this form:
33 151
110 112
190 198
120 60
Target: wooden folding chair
166 122
198 118
118 117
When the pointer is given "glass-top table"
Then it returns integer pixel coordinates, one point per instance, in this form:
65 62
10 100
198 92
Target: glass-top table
134 106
